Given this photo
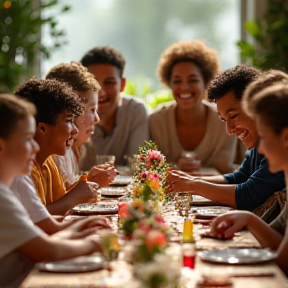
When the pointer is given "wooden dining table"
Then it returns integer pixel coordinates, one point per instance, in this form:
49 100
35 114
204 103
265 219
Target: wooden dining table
119 273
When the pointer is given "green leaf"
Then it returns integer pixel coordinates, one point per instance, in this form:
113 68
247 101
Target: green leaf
247 50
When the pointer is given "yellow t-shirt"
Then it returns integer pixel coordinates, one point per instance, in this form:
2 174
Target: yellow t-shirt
49 184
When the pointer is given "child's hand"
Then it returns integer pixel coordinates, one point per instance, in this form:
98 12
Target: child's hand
227 224
103 175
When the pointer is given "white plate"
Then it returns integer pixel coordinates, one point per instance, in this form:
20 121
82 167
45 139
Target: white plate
95 209
200 200
113 191
122 180
238 255
79 264
210 212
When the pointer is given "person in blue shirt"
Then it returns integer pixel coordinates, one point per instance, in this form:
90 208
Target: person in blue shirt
269 108
252 183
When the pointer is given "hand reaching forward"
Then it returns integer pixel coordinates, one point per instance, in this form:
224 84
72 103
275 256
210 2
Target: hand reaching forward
83 228
85 192
227 224
103 174
178 181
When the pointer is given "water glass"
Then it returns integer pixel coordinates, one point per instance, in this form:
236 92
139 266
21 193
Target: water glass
105 159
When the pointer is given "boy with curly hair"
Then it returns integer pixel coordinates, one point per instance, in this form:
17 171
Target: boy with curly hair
123 125
57 105
252 183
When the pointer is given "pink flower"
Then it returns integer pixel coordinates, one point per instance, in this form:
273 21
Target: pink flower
154 155
143 175
155 238
144 226
158 218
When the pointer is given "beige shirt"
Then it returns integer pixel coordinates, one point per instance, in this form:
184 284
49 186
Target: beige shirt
217 148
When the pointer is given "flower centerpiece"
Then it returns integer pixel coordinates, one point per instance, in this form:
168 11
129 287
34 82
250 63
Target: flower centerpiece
132 214
150 175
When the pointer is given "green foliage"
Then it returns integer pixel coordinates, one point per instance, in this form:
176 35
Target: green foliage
141 87
20 29
269 34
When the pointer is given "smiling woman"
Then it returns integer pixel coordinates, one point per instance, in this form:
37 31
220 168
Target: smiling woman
189 124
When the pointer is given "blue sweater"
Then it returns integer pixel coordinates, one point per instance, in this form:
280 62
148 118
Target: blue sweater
255 182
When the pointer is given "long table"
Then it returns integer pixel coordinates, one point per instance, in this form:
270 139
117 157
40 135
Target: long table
120 275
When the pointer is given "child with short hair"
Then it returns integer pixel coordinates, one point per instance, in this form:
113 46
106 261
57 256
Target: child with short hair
21 242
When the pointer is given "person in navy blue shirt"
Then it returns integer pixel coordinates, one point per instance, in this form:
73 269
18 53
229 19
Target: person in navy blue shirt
252 183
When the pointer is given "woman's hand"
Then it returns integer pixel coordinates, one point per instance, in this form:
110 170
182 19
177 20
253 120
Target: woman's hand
224 226
178 182
103 174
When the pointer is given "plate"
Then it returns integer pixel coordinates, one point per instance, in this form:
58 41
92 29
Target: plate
200 200
91 208
79 264
113 191
210 211
238 256
121 180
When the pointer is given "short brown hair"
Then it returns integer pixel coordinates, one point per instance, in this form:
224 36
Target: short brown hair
271 104
13 109
75 75
189 51
263 81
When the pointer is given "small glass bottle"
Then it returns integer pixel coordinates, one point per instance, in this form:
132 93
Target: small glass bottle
188 245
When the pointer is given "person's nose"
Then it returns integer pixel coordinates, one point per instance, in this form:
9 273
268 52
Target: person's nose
96 117
74 130
101 92
230 127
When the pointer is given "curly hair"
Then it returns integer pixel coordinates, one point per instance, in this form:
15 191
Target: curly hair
75 75
51 98
13 109
271 104
104 55
188 51
235 79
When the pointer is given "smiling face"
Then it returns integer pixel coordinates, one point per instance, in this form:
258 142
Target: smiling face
111 84
273 146
60 136
86 122
237 121
19 150
187 84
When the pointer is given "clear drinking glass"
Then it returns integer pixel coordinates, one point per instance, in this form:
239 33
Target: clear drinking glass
105 159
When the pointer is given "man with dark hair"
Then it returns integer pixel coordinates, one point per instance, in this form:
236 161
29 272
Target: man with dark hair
252 184
123 125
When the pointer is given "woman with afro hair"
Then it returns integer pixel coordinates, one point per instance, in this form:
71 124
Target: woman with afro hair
189 123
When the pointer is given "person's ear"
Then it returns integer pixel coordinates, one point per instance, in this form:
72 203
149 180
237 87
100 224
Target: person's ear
123 83
41 127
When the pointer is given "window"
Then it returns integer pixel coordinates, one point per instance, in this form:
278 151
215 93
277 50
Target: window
141 30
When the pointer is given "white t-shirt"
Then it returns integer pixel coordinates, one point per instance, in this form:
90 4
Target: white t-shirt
16 229
23 187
